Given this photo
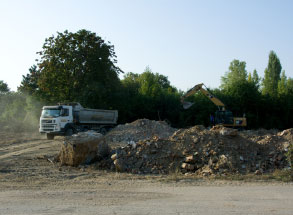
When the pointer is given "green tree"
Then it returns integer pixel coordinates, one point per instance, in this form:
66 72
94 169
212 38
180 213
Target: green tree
290 86
4 87
254 78
29 83
240 92
75 67
282 84
150 95
237 73
272 75
152 84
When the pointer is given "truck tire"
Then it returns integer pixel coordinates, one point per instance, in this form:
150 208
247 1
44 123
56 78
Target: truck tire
69 132
50 136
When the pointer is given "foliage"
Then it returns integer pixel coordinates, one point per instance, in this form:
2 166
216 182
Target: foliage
151 96
237 74
75 67
3 87
282 84
82 67
199 113
272 75
29 83
240 92
254 78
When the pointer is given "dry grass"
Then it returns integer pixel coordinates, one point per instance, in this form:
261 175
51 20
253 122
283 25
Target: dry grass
284 175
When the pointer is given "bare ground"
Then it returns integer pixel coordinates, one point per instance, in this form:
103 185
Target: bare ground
31 184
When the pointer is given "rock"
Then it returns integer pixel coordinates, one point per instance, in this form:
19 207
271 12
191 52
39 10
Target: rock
132 143
210 163
187 166
228 132
258 172
114 156
206 171
103 149
83 149
120 165
286 133
190 159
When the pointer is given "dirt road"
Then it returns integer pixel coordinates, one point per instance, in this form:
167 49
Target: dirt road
31 184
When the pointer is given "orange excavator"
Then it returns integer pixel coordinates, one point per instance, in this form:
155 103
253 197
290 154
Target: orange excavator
222 116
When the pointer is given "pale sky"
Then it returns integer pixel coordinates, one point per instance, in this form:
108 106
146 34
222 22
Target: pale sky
189 41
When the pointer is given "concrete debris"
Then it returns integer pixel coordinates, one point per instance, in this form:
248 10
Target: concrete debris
153 147
141 129
187 166
287 134
83 148
225 131
206 152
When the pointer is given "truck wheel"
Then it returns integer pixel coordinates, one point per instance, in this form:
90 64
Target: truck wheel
50 136
69 132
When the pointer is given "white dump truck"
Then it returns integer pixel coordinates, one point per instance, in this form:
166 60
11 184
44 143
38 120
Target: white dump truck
66 119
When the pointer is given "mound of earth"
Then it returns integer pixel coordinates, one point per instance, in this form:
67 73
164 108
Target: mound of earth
141 129
201 151
147 146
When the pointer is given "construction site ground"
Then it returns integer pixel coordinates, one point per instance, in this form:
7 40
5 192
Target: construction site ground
32 183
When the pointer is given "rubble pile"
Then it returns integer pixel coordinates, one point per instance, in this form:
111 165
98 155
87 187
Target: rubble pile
153 147
83 148
141 129
219 152
287 134
206 152
148 156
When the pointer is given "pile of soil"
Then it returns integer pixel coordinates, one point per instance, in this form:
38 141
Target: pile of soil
141 129
205 152
85 147
146 146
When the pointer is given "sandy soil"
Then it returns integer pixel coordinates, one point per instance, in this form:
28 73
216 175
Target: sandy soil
31 184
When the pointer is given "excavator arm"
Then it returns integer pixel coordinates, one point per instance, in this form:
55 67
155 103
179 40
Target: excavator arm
206 92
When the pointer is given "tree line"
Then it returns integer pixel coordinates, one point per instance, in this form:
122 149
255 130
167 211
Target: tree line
81 67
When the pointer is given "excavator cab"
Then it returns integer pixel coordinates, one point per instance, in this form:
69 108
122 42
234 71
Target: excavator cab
224 117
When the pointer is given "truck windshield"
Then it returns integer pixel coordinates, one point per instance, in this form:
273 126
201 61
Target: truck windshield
50 113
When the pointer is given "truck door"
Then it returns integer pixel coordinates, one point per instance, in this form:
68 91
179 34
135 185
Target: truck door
66 116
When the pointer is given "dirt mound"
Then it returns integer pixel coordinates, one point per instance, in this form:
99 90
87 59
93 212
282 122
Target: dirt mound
141 129
146 146
205 152
287 134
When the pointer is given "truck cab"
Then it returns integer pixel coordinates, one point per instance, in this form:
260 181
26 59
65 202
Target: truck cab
56 120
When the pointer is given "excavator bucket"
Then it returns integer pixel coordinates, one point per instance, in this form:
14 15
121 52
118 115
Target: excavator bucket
187 105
